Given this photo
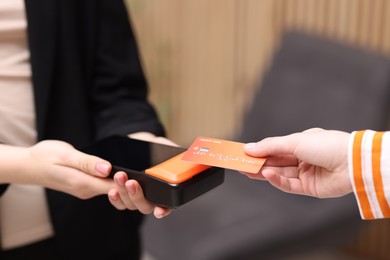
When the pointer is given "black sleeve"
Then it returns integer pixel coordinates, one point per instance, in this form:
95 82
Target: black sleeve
120 88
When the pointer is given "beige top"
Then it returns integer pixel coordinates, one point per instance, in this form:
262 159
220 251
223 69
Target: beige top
24 214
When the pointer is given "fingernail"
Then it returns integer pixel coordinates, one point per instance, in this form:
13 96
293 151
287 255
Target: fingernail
250 146
103 168
131 188
120 179
113 195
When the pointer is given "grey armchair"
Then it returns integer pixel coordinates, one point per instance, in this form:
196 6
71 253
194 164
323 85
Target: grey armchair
313 82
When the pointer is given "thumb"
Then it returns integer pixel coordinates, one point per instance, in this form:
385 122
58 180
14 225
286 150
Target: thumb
89 164
272 146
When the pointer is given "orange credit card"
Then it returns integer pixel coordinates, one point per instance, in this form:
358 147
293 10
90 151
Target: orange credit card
222 153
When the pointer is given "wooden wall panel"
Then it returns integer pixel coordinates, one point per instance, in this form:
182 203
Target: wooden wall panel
205 58
202 59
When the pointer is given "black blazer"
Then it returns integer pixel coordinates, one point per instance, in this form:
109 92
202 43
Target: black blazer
88 83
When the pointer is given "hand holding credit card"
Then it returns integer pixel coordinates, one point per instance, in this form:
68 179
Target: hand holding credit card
222 153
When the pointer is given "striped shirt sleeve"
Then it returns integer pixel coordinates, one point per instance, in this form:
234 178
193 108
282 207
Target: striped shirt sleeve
369 171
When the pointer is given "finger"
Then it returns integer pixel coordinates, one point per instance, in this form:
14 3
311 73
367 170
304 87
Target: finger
143 136
160 212
77 183
165 141
273 146
290 185
137 197
88 163
281 160
115 199
93 186
253 176
120 179
149 137
287 172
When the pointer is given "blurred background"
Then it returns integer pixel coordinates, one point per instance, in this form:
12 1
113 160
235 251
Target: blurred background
204 60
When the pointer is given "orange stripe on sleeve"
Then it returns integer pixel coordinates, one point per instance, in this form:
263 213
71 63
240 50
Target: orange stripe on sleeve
377 174
358 176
